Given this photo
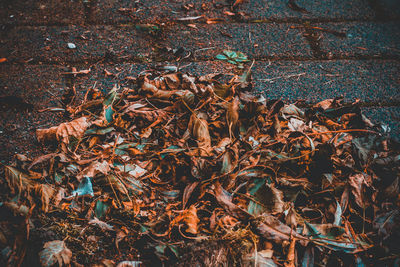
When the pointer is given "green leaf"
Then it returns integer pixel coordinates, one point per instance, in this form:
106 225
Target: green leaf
58 178
101 209
329 240
110 98
109 112
221 57
174 249
143 229
230 54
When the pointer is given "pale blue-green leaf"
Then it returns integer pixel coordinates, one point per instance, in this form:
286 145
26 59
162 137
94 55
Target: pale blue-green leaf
170 195
221 57
84 188
338 214
230 54
160 248
359 262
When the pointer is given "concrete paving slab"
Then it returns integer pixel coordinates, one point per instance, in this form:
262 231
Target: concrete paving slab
80 44
309 10
24 91
370 39
373 81
261 40
388 9
43 12
108 11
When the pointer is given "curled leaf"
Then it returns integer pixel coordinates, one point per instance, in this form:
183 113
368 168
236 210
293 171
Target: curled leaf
64 131
198 128
55 252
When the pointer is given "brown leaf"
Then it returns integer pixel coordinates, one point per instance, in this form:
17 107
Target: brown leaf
187 193
191 220
291 256
232 115
238 2
357 183
198 128
224 199
139 111
189 217
93 169
102 225
45 192
273 230
19 181
55 252
64 131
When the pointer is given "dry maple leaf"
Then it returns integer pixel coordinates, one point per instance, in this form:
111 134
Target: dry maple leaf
64 131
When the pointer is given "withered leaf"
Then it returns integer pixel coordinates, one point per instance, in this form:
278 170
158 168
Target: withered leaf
198 128
64 131
55 252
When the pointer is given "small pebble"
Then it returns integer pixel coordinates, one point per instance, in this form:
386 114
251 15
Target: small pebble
71 46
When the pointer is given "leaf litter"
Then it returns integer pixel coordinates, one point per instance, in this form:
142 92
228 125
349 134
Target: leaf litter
142 174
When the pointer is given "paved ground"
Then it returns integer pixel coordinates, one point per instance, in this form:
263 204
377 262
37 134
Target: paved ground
309 50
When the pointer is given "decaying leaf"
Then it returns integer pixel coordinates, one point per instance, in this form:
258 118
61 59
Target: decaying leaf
64 131
17 180
198 128
45 192
55 252
168 158
93 169
191 220
357 183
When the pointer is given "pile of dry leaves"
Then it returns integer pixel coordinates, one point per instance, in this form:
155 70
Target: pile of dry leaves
176 165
